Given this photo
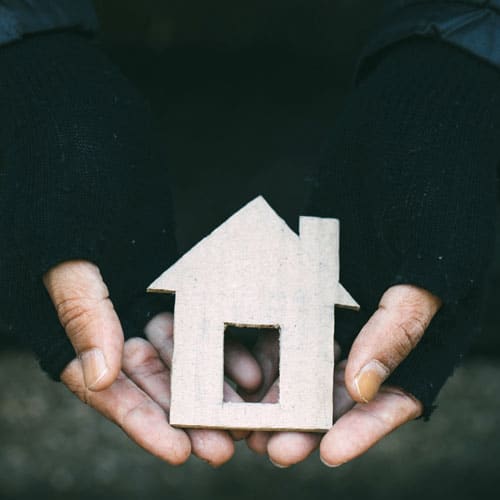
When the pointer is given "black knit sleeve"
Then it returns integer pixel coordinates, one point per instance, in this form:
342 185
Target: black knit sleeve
410 171
83 176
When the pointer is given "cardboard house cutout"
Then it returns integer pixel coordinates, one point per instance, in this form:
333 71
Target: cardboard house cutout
254 271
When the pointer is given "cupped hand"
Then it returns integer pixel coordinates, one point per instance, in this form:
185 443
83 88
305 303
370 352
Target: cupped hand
129 383
365 410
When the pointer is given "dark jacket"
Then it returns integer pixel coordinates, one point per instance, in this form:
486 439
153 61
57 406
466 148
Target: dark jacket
23 17
473 25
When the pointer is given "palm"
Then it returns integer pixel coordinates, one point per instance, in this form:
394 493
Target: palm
357 427
139 400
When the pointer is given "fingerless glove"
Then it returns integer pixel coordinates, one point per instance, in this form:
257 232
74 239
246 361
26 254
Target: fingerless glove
410 171
83 176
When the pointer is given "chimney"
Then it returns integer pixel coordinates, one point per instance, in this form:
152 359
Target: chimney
320 240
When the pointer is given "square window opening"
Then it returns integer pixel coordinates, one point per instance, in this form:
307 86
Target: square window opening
251 363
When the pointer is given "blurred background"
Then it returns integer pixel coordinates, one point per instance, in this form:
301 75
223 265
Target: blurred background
245 94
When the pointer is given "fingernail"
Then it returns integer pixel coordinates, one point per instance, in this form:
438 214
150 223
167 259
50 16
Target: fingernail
279 465
332 466
369 379
94 367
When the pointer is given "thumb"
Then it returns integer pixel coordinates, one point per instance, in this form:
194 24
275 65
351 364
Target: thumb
85 311
396 327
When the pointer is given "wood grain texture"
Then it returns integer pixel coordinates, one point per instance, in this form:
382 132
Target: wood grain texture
254 270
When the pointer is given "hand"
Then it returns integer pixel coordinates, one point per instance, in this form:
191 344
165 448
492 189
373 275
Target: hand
364 410
415 198
130 383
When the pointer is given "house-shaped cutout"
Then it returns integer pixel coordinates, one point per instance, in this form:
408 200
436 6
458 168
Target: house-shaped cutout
254 271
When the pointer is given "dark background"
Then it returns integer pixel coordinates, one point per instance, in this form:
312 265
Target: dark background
245 94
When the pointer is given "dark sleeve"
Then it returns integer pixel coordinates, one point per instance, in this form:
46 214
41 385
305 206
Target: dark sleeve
83 176
410 171
19 18
471 25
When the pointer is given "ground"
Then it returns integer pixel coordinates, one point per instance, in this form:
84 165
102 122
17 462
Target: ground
54 447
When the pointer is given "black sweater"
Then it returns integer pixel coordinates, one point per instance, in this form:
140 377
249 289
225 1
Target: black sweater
409 170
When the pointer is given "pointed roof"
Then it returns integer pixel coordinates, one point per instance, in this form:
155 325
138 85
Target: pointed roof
252 248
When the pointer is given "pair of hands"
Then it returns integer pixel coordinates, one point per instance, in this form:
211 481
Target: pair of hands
129 382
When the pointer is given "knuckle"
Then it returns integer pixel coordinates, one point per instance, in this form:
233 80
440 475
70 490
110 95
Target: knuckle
77 314
72 378
86 396
145 406
408 332
401 349
141 359
79 390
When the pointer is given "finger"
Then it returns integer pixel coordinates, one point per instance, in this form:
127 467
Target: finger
214 447
143 366
143 420
160 332
85 311
257 441
337 351
342 401
239 364
288 448
366 424
266 352
241 367
403 315
239 435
